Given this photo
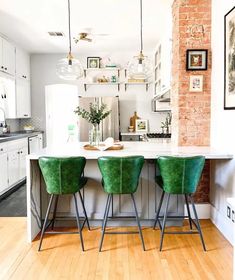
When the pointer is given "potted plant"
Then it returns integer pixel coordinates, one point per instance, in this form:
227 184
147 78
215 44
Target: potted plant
94 116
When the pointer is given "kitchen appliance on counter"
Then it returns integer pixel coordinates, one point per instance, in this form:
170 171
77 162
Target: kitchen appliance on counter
109 127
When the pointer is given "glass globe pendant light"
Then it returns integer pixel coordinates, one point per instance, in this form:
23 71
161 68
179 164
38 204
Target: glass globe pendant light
140 66
69 68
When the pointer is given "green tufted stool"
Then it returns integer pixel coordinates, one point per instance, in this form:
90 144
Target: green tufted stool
179 176
63 176
120 175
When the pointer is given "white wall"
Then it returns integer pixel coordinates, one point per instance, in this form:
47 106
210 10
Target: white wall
43 72
222 125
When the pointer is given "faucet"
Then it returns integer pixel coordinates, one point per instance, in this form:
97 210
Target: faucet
4 118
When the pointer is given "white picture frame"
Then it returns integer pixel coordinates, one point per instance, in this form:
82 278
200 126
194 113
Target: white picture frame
196 83
141 125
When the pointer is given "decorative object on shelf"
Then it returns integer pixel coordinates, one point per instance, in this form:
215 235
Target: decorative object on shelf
133 120
28 128
141 126
103 80
69 68
140 66
93 62
229 60
166 126
196 60
113 79
130 128
196 83
131 80
94 116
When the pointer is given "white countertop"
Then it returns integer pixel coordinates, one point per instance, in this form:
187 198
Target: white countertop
147 149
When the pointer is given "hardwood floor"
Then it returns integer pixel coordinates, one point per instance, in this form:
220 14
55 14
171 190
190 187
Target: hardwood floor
182 256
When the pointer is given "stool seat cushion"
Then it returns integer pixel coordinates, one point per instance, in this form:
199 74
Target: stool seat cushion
63 175
120 175
180 175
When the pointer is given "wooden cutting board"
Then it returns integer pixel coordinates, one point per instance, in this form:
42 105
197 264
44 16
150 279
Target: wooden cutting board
93 148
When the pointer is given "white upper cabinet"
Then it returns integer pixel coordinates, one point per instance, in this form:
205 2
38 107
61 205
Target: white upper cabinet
23 99
162 69
7 57
22 64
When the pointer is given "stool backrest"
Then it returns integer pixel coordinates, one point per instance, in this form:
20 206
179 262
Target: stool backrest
120 174
62 175
180 175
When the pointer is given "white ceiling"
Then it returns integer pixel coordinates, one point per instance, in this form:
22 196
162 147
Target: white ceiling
27 22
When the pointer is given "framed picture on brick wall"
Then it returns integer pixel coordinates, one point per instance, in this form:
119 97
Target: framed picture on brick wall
196 83
196 60
229 60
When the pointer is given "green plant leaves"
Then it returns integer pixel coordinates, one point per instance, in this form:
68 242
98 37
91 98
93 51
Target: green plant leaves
96 114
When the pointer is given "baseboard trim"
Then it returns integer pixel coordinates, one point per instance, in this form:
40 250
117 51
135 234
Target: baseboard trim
203 210
12 189
224 225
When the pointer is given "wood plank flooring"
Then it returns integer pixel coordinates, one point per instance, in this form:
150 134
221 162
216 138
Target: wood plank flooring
182 256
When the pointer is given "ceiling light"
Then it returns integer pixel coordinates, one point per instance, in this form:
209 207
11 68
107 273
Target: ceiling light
140 66
69 68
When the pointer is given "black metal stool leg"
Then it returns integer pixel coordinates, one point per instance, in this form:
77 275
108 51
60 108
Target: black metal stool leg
198 224
45 221
138 222
106 207
158 211
78 221
54 213
188 209
105 221
84 210
164 221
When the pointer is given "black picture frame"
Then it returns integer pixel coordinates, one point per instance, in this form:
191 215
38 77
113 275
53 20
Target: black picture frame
93 62
229 60
200 57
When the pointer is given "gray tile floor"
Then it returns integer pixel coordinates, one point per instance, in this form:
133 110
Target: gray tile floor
15 204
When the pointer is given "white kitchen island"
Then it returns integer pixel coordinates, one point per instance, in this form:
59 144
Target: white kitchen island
147 195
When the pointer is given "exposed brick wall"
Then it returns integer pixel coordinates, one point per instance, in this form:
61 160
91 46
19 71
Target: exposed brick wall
191 111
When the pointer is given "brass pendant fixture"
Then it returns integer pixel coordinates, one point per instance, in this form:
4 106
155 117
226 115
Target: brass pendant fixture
69 68
140 66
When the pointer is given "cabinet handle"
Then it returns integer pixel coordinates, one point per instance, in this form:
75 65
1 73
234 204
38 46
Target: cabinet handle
5 68
1 149
18 153
25 115
5 95
21 152
2 96
2 67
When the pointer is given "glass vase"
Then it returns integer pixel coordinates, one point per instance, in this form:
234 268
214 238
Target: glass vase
94 135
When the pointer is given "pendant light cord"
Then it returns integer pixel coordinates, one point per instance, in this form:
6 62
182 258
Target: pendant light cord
69 27
141 26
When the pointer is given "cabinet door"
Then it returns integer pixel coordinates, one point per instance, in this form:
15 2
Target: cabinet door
1 55
23 100
13 167
8 57
22 162
4 173
22 64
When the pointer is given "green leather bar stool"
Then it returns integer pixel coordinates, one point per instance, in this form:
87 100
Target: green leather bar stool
120 175
63 176
179 176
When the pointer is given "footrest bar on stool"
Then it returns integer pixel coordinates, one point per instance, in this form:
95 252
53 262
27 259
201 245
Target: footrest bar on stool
181 232
62 232
122 232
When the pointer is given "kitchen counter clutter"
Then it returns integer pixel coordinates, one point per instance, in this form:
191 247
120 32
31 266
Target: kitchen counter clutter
147 195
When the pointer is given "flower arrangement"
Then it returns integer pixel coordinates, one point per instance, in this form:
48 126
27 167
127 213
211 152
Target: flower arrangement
95 114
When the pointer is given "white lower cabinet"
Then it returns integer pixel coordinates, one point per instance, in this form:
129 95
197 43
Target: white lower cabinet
4 172
12 163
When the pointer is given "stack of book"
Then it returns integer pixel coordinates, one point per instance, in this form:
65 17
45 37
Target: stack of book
131 80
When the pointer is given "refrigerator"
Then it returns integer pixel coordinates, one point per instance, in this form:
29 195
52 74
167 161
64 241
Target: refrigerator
63 125
110 126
